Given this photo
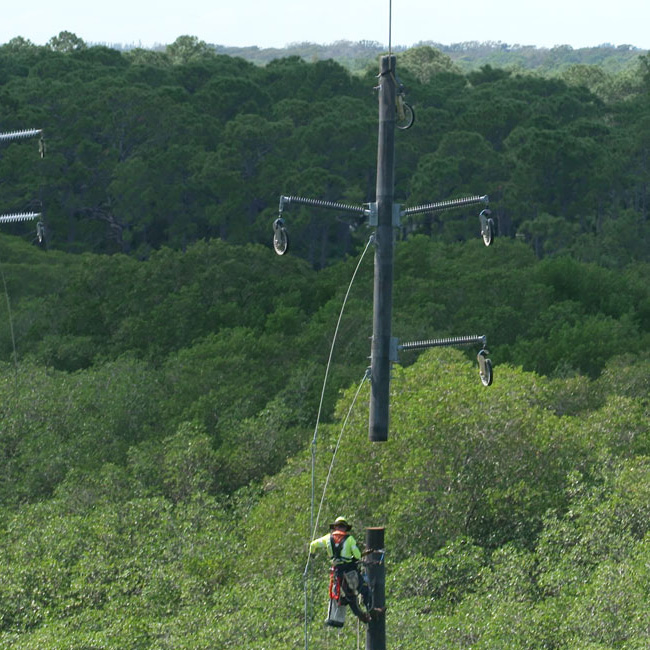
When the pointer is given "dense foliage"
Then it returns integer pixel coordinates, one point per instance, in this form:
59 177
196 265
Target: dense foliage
159 402
468 55
146 149
516 519
156 425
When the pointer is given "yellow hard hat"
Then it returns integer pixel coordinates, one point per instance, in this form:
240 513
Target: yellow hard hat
341 521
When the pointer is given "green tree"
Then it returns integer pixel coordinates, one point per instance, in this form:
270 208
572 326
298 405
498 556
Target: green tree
66 42
186 49
425 62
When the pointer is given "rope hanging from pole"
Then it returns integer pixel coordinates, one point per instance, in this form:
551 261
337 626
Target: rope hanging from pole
366 376
313 524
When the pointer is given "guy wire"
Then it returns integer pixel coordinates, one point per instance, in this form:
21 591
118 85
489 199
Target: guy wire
390 26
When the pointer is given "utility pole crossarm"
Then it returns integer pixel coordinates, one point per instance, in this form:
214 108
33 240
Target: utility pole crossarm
320 203
484 364
280 234
446 205
446 342
16 135
20 216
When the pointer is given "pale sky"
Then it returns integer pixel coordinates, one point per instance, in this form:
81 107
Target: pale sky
276 23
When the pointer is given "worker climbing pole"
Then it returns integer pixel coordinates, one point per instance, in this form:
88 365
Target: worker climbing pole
384 215
348 585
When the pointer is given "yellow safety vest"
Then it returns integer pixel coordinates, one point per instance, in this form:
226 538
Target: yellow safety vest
349 551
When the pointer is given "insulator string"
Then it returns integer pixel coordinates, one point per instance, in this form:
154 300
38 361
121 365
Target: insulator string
444 205
454 340
320 203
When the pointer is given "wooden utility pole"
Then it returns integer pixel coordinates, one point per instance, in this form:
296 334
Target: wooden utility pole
376 572
384 238
381 357
384 216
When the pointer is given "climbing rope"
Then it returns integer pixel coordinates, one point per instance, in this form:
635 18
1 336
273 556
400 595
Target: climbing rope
329 473
338 444
313 524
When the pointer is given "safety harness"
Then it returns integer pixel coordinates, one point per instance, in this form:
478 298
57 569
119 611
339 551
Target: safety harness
337 541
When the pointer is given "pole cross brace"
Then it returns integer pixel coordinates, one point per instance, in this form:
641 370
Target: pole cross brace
370 209
446 205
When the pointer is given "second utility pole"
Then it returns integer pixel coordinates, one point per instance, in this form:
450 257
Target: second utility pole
384 238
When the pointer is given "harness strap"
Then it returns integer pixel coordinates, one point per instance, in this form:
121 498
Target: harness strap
335 584
337 542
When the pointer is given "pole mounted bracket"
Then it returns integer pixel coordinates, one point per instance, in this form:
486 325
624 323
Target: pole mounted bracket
397 214
373 215
393 356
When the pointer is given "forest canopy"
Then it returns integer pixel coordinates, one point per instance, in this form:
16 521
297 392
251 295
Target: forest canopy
164 148
162 370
